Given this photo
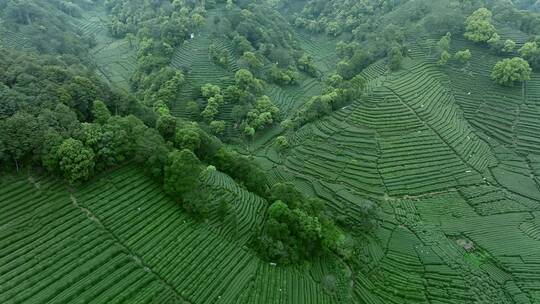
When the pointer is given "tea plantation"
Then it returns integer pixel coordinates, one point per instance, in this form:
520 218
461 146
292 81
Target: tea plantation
430 175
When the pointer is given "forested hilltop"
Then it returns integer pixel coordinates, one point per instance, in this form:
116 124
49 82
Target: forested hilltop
269 151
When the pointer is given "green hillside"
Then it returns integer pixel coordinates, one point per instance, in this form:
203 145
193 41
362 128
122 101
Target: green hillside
269 151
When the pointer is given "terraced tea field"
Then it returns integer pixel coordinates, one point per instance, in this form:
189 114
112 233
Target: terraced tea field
452 161
120 239
115 59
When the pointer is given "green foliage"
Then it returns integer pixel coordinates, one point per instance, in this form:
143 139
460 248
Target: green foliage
530 51
263 114
45 26
21 135
509 46
163 85
463 56
209 90
49 151
444 43
247 82
76 161
349 68
217 127
508 71
219 56
257 27
339 93
182 172
395 58
152 151
297 228
444 58
243 169
100 113
166 125
215 100
192 108
306 64
479 26
187 137
282 143
251 62
159 26
283 76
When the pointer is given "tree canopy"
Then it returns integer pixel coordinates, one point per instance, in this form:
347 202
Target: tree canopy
509 71
479 27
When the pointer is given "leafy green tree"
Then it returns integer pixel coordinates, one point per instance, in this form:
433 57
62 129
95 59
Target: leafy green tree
100 113
192 108
76 161
90 134
249 131
49 151
217 127
187 137
181 173
84 92
396 58
509 46
508 71
152 151
463 56
445 57
242 45
263 114
212 107
246 81
250 61
307 65
530 51
62 119
209 90
166 125
479 27
282 143
21 135
444 43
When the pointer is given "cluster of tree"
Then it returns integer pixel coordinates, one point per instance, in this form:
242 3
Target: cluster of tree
252 62
511 70
251 111
337 94
516 15
45 25
353 59
256 26
366 23
261 35
59 142
480 29
443 51
283 76
157 27
161 85
297 228
212 93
